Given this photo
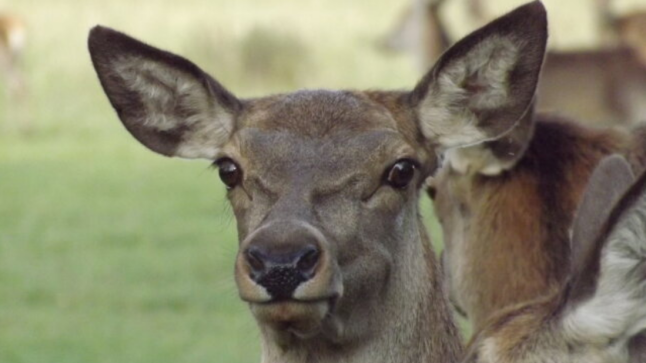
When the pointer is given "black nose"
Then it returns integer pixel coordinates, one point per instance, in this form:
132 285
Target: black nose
280 271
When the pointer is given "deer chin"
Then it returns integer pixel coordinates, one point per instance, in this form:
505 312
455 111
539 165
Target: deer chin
294 318
302 315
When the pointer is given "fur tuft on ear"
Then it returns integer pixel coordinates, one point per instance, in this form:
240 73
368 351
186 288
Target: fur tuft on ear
607 299
494 157
165 101
483 85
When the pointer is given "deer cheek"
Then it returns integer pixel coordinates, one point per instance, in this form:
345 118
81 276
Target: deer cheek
387 200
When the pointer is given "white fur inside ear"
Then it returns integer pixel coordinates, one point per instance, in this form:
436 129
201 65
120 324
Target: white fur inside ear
617 310
476 159
174 99
477 81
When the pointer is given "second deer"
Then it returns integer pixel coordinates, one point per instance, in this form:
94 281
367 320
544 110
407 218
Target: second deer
602 307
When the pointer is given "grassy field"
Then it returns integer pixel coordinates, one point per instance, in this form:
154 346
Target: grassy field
109 253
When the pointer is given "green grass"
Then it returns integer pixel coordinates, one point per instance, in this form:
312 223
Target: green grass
116 255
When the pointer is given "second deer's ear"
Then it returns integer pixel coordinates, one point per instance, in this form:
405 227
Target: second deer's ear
608 182
483 85
607 296
165 101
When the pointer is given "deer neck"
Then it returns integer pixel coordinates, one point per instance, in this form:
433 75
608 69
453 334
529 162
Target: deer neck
411 324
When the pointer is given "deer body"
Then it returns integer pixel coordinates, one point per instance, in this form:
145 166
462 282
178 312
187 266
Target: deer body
601 87
601 308
333 259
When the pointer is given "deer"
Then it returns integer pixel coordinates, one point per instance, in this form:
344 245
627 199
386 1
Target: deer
12 43
506 208
602 87
631 28
419 30
624 29
602 306
333 258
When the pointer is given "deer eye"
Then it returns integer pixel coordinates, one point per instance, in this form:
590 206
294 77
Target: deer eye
400 174
230 172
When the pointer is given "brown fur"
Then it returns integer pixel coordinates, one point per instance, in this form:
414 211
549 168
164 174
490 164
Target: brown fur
582 321
631 29
601 87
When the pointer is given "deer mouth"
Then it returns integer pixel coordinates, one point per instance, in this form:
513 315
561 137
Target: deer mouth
300 313
302 318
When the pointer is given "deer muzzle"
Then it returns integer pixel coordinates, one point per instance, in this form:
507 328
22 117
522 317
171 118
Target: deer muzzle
286 271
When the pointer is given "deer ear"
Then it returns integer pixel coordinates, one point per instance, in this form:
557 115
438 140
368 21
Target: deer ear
608 182
496 156
483 85
607 297
165 101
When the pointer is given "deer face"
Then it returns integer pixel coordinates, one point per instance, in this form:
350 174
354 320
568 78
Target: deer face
324 191
324 184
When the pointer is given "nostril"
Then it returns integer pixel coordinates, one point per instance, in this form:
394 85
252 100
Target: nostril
308 261
281 268
255 260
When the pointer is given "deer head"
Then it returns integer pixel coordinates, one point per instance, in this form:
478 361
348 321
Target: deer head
602 307
333 259
475 193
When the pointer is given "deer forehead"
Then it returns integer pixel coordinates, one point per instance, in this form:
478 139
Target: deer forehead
326 134
317 113
281 156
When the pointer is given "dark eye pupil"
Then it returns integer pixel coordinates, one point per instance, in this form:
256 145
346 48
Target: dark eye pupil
401 174
229 173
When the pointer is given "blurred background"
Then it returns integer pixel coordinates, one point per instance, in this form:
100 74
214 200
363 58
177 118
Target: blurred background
109 253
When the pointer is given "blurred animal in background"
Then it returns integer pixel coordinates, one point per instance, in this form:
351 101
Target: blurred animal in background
631 31
12 79
602 87
419 30
602 307
626 28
